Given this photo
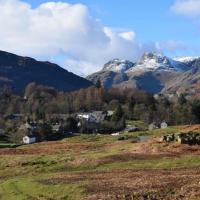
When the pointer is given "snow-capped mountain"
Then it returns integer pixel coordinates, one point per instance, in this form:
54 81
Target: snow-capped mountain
152 61
151 72
148 62
118 65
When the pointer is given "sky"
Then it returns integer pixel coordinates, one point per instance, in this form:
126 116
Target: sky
82 35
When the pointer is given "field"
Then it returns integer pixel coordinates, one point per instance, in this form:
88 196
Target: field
101 167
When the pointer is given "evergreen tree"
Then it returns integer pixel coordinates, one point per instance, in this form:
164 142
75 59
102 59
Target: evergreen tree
196 109
182 100
118 114
98 84
40 114
130 110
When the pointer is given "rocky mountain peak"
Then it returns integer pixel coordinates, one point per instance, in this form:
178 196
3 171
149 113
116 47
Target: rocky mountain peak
157 62
153 61
117 65
150 55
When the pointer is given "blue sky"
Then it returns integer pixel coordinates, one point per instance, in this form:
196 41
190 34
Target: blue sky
84 37
150 19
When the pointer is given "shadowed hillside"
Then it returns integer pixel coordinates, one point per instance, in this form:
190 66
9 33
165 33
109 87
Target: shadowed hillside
16 72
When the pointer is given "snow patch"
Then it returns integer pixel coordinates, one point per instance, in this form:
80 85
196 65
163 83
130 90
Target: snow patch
186 59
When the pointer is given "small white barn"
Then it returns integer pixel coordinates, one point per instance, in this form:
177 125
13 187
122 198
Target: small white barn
115 134
85 116
163 125
29 139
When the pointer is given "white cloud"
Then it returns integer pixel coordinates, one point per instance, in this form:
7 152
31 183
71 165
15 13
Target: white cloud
68 35
130 36
189 8
64 33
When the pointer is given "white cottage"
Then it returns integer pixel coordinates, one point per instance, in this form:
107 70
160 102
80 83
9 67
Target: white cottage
29 139
163 125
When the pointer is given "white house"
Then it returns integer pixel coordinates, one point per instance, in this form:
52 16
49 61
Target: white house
163 125
29 139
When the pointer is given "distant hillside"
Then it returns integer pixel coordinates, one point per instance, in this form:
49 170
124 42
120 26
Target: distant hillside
188 82
17 72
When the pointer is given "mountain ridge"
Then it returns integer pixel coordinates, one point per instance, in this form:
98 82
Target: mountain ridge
152 72
16 72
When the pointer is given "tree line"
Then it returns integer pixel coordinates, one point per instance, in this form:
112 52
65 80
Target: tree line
40 102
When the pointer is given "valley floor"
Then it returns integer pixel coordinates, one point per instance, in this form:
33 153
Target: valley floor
92 167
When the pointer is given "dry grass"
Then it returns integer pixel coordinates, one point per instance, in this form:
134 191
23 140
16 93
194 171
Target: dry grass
101 167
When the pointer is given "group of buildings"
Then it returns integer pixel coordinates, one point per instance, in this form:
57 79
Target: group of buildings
90 119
